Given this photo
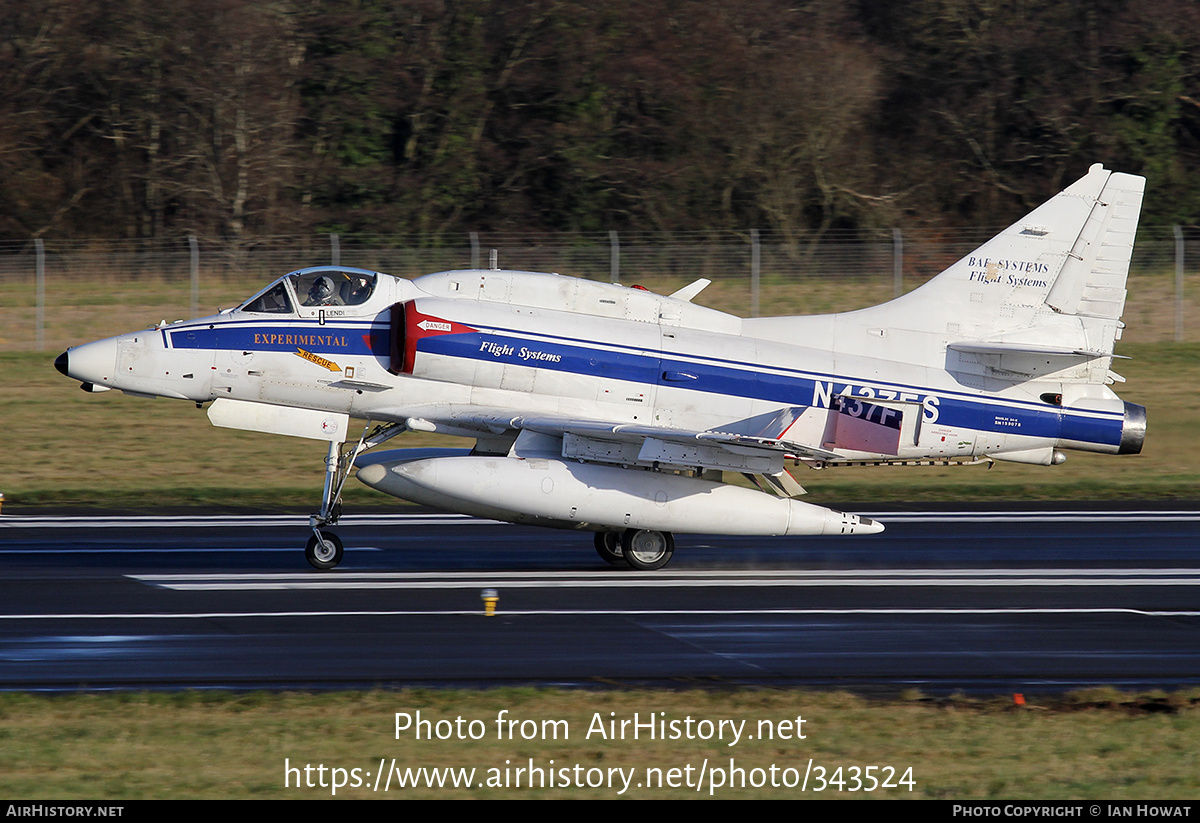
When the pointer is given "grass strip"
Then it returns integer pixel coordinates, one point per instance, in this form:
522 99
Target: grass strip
1087 745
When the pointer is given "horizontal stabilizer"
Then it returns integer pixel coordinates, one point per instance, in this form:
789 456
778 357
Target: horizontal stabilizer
983 347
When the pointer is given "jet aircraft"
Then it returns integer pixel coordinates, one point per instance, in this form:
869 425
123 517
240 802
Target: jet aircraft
618 411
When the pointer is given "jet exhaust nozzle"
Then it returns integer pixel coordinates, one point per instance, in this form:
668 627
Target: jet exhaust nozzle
1133 429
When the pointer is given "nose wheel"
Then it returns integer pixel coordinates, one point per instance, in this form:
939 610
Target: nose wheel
324 550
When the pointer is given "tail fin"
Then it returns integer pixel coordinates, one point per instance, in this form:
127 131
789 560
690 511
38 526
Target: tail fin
1068 258
1044 297
1091 282
1041 300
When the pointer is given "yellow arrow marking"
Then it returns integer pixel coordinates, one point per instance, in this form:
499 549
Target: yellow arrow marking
320 361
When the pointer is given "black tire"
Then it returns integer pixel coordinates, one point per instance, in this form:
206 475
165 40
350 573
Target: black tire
608 546
647 550
324 554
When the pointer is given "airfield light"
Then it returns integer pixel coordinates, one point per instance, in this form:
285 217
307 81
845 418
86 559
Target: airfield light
490 598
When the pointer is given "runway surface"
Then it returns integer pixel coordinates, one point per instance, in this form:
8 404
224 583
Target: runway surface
984 601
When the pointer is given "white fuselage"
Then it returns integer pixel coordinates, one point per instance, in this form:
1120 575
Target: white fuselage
609 408
578 349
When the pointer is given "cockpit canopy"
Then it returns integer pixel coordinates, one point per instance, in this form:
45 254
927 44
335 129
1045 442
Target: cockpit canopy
330 286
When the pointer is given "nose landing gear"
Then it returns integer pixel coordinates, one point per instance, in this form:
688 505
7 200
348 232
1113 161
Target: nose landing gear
324 550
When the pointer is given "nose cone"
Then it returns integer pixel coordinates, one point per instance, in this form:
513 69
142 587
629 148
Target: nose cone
90 363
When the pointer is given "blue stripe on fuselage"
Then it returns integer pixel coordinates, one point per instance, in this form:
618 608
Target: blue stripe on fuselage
748 380
634 366
617 362
327 339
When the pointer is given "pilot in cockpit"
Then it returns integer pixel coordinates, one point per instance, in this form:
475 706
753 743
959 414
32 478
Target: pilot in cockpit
321 293
356 290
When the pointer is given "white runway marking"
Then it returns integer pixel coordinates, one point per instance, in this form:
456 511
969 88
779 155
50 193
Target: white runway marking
194 550
425 519
673 580
1036 516
597 612
525 580
233 521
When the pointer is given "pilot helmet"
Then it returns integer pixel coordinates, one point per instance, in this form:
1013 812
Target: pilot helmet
322 288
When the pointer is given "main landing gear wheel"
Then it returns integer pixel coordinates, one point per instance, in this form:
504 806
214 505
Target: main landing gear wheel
647 550
608 546
324 553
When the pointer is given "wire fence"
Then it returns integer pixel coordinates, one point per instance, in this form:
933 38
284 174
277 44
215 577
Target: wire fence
55 293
